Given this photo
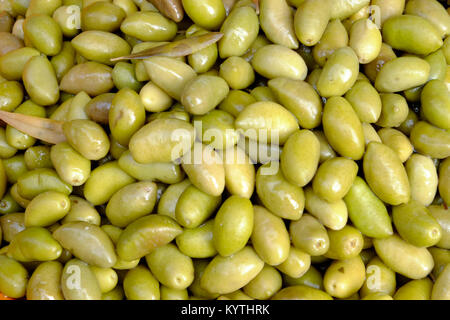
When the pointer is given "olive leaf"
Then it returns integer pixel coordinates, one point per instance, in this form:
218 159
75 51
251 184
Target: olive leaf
172 9
178 48
44 129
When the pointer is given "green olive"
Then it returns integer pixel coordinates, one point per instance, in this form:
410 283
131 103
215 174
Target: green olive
385 174
349 142
339 73
38 157
198 242
171 267
274 61
411 33
154 98
71 166
95 189
92 77
435 100
309 235
334 178
12 168
222 276
208 14
239 172
423 178
131 202
100 46
273 189
46 208
410 72
301 292
345 243
233 225
195 206
81 210
297 263
44 283
162 140
415 290
441 290
204 167
344 278
13 277
334 37
145 234
124 76
365 100
41 92
237 72
103 16
430 140
198 96
265 284
311 20
140 284
44 34
149 26
235 42
333 215
169 199
267 122
443 186
78 282
87 242
12 64
300 98
415 224
11 224
37 181
277 22
367 212
394 110
87 137
403 257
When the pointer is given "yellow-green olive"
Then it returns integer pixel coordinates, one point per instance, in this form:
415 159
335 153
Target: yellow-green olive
403 257
415 224
131 202
309 235
300 98
277 22
274 189
273 61
385 174
233 225
222 276
337 115
87 242
140 284
344 278
145 234
171 267
13 277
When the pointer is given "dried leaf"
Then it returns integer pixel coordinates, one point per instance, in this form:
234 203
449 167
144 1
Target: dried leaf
178 48
172 9
40 128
